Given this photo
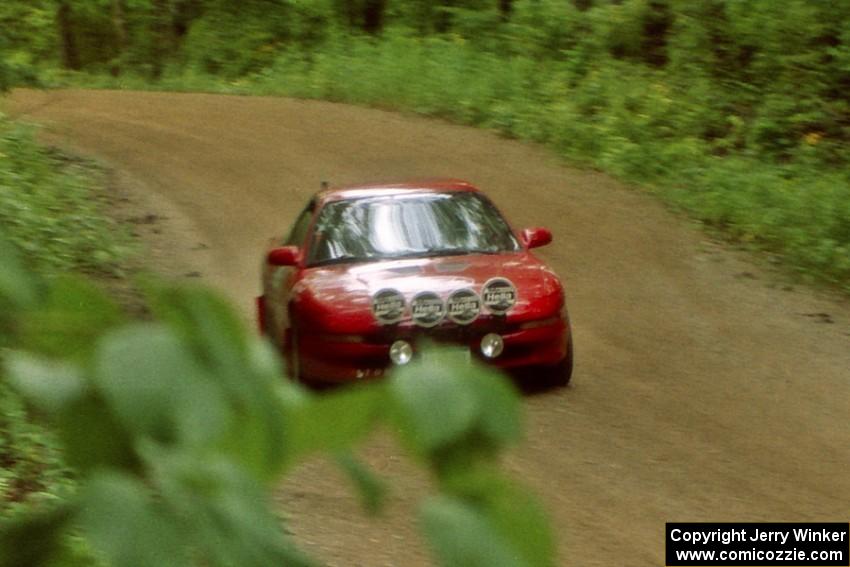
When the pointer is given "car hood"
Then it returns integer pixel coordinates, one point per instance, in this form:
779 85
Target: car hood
339 298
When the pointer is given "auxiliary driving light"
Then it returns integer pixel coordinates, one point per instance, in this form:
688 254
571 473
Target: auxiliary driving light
401 352
492 345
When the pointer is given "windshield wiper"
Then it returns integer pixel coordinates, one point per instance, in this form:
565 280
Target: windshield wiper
341 260
438 253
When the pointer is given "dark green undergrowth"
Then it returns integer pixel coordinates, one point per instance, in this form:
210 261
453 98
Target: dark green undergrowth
682 139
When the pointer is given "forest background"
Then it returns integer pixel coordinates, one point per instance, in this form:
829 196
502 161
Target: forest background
737 112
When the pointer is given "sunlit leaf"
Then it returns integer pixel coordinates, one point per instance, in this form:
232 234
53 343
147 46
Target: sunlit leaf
48 385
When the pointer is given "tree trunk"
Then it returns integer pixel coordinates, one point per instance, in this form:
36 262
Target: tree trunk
505 9
119 23
373 16
161 33
183 12
67 43
119 27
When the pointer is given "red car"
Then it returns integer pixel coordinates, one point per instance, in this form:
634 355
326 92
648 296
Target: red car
368 271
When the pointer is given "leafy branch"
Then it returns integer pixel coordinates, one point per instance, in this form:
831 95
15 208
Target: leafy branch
178 428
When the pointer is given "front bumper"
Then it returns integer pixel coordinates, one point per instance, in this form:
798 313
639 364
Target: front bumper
344 358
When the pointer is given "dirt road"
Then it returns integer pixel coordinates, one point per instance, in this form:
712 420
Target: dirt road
702 392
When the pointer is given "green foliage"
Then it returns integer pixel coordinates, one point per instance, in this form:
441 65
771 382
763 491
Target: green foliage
234 39
50 206
30 27
178 429
32 471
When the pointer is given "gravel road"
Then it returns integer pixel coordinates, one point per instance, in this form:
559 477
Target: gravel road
705 389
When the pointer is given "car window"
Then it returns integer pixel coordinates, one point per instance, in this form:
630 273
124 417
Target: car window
405 226
299 229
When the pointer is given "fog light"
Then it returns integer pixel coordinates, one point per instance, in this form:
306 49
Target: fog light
401 352
492 345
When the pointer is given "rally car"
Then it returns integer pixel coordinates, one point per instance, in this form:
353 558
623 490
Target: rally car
369 273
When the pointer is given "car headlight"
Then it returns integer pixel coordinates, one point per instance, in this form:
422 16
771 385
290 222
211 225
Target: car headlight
492 345
401 352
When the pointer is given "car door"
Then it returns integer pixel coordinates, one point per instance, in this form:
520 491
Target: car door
278 280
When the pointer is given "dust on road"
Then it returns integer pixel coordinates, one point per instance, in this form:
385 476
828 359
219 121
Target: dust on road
702 392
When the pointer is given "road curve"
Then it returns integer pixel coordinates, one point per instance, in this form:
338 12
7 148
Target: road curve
703 391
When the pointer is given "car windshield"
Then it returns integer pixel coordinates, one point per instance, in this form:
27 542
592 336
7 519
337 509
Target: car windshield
409 226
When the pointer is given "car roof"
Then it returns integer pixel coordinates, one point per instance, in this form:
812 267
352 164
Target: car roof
439 185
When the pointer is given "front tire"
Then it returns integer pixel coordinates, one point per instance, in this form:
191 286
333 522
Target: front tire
560 374
293 364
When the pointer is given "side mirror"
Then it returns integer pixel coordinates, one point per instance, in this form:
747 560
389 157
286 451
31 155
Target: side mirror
283 256
536 237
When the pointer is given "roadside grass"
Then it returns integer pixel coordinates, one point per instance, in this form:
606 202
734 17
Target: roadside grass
32 469
682 139
52 207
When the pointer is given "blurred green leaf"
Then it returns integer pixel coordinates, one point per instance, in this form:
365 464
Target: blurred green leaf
156 388
371 489
499 419
50 386
437 406
461 536
223 511
338 419
260 438
18 286
33 540
74 314
456 409
244 369
93 438
122 521
511 509
210 326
